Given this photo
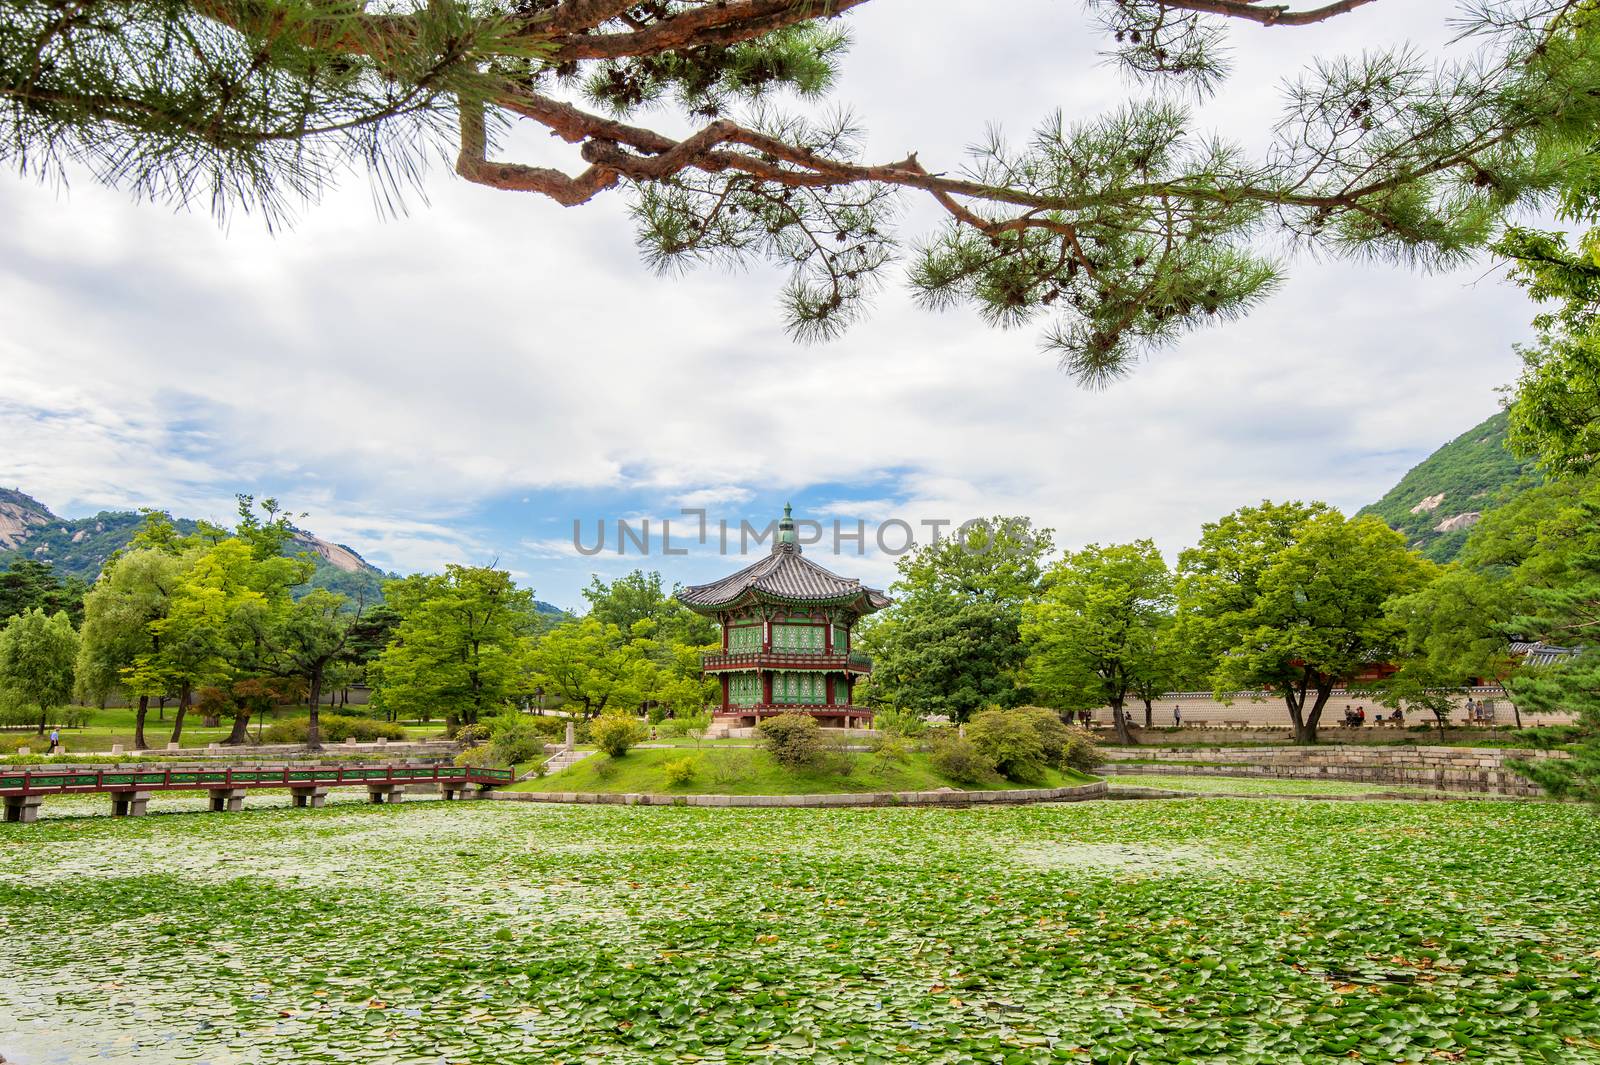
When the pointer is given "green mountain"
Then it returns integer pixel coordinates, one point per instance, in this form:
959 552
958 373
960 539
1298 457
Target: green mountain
78 547
1443 496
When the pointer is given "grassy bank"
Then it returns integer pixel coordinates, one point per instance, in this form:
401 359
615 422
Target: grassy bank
746 771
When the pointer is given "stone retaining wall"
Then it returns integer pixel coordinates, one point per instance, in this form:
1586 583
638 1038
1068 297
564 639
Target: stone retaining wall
1076 793
1449 768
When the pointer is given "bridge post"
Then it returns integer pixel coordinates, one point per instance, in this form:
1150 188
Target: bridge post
129 803
226 800
380 793
23 809
458 789
310 797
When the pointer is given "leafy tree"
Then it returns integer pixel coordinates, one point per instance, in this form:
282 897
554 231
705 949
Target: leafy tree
952 642
119 630
30 584
1454 634
37 652
198 641
1555 413
305 640
1569 613
454 650
1290 597
1130 228
591 664
1096 632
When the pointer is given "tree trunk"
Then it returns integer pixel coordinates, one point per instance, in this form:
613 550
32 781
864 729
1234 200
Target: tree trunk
1119 719
183 708
1149 715
241 731
314 726
44 712
138 723
1305 727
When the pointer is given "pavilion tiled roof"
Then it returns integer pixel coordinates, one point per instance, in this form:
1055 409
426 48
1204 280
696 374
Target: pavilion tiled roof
784 575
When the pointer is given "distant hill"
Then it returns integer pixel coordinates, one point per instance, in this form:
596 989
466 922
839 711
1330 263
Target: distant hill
1446 494
79 547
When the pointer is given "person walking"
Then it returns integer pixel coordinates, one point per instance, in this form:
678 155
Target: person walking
55 740
1177 717
1472 709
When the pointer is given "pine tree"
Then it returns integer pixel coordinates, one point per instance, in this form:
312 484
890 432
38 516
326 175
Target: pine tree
1120 232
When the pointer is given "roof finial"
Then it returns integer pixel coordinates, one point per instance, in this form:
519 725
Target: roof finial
786 539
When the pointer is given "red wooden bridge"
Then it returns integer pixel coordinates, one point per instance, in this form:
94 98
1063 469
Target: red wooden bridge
24 790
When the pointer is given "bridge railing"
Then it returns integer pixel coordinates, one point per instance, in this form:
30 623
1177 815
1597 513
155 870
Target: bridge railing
48 781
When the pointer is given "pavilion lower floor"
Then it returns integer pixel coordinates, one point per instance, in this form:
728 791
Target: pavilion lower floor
827 716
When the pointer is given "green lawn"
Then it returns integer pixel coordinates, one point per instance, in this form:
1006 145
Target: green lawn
112 725
746 771
1205 930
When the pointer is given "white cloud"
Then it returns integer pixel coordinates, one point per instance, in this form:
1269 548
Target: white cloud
392 376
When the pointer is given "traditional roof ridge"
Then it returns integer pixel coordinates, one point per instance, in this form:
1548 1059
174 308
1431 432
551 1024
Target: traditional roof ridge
785 575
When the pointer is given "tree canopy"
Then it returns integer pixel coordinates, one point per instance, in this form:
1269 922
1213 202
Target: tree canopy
1098 628
1119 232
1293 598
952 643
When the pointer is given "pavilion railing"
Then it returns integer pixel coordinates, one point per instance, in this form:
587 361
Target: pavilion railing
850 660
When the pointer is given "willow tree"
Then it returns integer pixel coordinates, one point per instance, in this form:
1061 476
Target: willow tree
1116 233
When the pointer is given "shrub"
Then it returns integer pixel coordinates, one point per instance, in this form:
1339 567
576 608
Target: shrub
1082 752
513 739
794 740
553 729
615 733
892 749
959 759
472 735
13 744
1052 731
680 772
676 727
1012 742
907 723
335 728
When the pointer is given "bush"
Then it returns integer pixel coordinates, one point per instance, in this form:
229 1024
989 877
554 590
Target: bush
513 739
1051 730
335 728
13 744
1012 742
891 749
472 735
677 727
680 772
793 740
1082 752
907 723
615 733
1550 736
959 759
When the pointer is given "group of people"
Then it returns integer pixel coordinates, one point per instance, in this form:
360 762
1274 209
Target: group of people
1358 717
1480 709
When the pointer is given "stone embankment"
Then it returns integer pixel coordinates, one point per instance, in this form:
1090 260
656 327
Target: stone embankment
942 797
1448 768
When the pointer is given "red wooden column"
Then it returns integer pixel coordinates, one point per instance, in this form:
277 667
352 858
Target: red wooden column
725 680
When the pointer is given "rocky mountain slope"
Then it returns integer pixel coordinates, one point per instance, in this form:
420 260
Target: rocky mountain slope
1442 497
78 547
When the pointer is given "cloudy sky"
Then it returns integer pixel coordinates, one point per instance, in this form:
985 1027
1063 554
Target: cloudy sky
465 381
